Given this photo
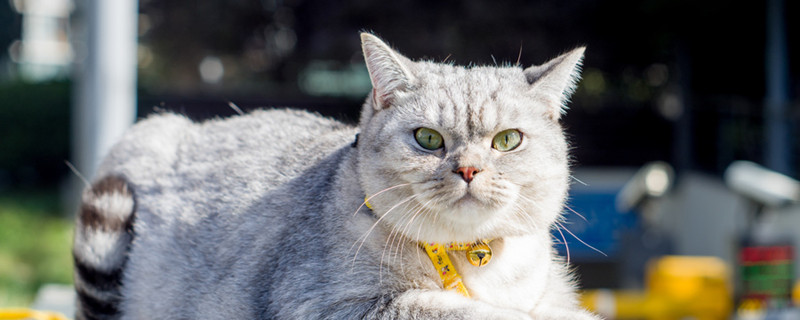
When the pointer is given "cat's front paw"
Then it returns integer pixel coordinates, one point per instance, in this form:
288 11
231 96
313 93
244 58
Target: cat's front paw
436 304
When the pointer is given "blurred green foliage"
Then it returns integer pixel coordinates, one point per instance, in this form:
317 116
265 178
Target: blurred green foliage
34 133
35 242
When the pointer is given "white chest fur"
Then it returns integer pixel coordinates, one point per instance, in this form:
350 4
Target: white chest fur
515 278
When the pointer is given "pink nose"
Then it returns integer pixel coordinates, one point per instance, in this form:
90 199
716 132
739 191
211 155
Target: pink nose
467 173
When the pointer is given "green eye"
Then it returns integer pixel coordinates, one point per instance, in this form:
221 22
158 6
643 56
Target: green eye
507 140
429 138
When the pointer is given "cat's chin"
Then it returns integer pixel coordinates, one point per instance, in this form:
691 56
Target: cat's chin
475 203
469 201
467 219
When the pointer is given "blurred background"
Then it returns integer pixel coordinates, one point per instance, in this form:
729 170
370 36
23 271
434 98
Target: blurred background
673 93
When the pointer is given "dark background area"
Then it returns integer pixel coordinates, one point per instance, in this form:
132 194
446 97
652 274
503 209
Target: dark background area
680 81
707 54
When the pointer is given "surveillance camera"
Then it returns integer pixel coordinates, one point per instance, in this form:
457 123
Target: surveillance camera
652 180
762 185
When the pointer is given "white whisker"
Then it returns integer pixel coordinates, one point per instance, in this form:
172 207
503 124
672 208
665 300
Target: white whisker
364 237
394 233
402 245
520 211
579 181
566 245
533 203
78 174
419 230
575 212
235 108
376 194
579 239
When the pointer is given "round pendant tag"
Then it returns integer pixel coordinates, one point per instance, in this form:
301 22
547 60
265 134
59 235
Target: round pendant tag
480 254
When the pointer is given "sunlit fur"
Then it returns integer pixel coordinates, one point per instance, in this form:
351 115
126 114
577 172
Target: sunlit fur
515 192
264 215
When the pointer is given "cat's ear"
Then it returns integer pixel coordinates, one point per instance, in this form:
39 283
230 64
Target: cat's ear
556 80
389 71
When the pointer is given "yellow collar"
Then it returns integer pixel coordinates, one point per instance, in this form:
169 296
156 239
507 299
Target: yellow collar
478 254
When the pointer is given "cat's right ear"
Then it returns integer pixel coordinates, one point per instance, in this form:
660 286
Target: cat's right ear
555 80
389 71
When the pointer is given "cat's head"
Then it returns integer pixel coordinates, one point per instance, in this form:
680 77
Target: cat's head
449 153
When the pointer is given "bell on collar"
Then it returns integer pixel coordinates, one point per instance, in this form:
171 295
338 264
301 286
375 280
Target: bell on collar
480 254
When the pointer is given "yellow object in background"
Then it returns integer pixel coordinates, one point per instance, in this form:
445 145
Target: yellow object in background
677 287
796 293
28 314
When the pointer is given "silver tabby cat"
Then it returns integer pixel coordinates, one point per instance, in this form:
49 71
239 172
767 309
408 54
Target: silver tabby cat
263 216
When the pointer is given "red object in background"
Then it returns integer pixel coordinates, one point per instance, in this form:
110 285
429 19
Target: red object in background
767 273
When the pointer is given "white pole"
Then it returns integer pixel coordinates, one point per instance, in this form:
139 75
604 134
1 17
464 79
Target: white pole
106 82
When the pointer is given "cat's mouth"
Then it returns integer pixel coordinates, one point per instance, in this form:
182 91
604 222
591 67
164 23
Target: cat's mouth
459 197
470 200
467 200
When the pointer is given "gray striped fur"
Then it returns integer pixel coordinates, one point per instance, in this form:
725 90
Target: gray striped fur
261 216
102 241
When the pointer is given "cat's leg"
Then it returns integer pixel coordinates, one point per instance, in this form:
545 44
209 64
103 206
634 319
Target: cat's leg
434 304
561 301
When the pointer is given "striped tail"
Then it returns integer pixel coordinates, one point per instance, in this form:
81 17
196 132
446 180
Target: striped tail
103 235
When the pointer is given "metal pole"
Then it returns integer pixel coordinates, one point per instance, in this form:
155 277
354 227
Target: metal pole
776 128
106 82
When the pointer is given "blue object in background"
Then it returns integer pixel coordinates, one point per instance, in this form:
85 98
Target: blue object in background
603 227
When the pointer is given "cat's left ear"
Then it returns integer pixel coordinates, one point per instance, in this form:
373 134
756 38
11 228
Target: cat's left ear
389 71
556 80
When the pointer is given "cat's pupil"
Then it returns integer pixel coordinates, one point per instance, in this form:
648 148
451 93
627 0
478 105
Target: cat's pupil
507 140
428 138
